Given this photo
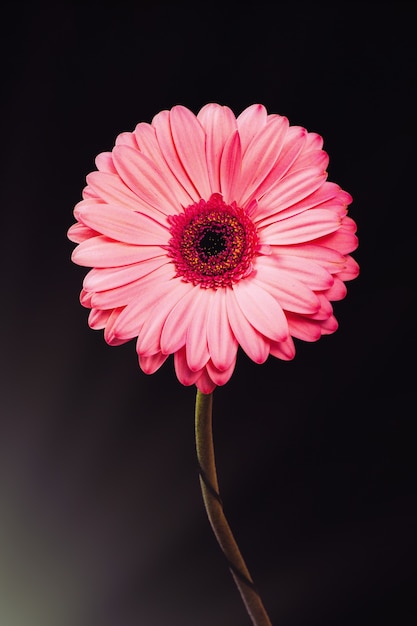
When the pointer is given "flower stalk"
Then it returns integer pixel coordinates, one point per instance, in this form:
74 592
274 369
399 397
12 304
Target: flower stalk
215 513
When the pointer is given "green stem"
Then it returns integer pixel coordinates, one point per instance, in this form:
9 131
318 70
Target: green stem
214 508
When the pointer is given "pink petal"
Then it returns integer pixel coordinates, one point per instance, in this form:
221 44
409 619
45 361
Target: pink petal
337 291
150 364
230 168
196 339
117 297
148 144
149 338
79 233
314 141
180 318
184 374
190 142
126 139
301 228
342 240
326 196
111 340
102 279
97 319
219 123
250 122
104 163
350 271
334 206
220 377
111 189
325 309
289 190
284 350
85 298
161 124
293 144
303 328
149 290
222 344
109 336
291 293
204 382
89 194
349 225
261 310
139 290
314 158
346 198
329 326
252 342
143 177
331 260
122 224
102 252
301 269
261 155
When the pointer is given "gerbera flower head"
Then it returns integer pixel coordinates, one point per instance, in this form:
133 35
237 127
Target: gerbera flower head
208 232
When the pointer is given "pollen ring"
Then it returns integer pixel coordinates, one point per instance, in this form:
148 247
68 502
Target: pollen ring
212 243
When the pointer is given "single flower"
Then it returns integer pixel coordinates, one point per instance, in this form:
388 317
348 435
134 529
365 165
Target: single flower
208 232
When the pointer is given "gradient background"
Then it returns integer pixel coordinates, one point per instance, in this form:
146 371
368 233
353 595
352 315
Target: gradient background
101 517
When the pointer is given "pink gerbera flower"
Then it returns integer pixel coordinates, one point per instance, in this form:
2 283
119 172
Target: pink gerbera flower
212 231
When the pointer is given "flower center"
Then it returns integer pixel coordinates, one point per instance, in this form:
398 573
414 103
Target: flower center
212 243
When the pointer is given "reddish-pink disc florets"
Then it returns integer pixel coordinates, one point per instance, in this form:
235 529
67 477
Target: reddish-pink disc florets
212 243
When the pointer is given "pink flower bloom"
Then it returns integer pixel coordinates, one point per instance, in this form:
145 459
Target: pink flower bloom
210 232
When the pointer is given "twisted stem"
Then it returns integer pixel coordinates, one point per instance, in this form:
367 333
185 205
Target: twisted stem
214 508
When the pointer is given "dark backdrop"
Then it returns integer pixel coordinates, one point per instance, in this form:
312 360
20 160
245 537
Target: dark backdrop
101 520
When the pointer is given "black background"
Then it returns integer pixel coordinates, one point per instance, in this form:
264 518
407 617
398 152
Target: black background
101 520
